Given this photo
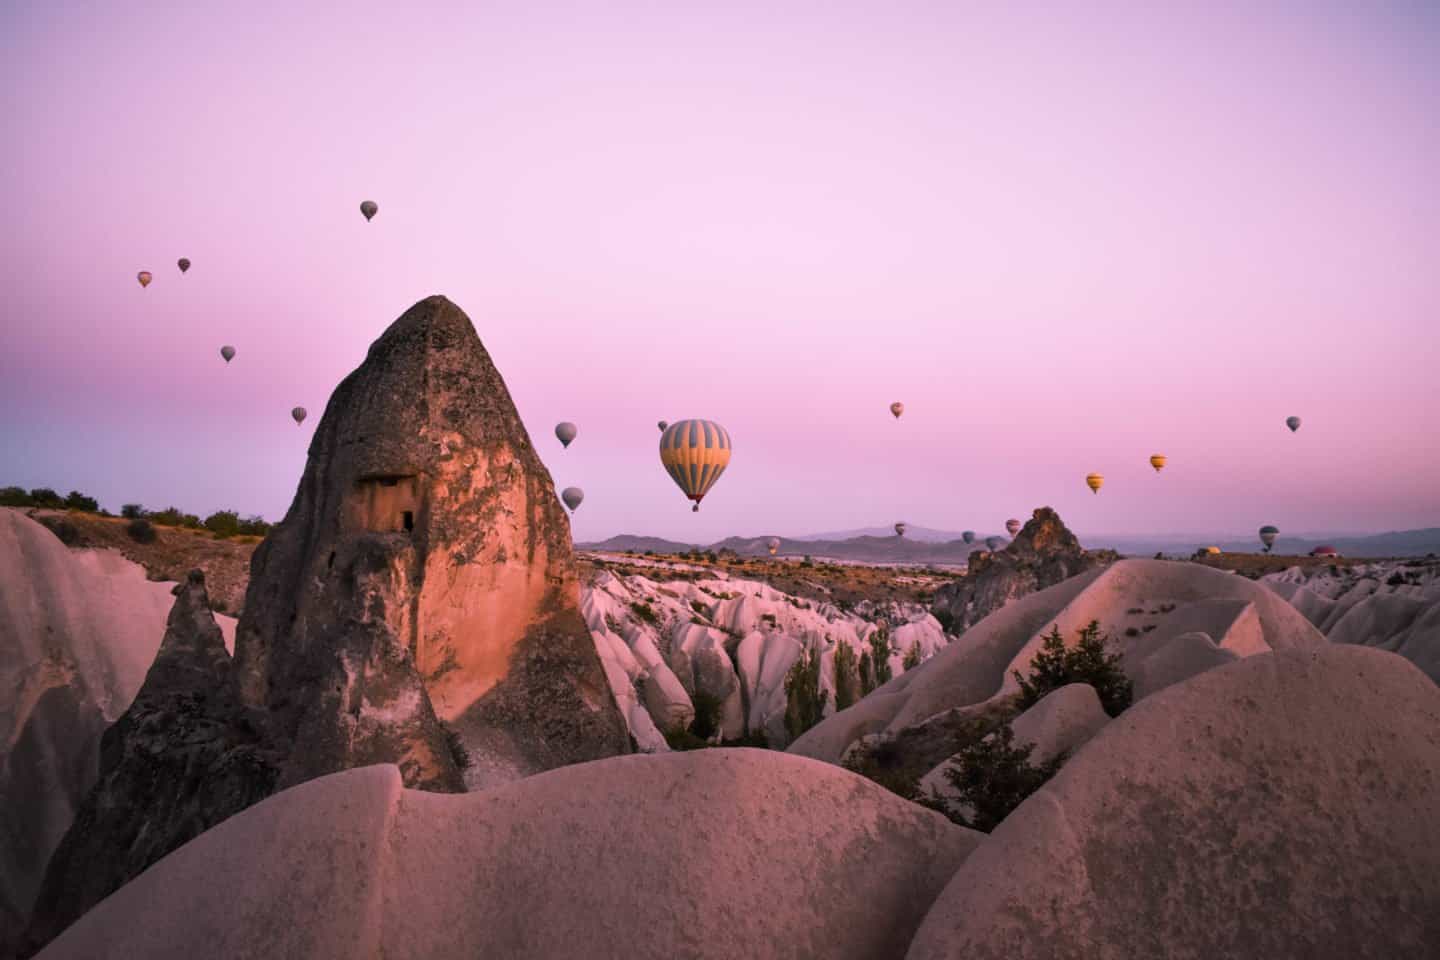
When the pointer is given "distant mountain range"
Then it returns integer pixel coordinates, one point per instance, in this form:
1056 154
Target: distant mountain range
923 545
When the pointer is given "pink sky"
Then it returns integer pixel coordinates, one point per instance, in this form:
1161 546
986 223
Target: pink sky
1066 237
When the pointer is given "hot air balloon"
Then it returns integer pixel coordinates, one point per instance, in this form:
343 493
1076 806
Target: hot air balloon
1268 535
144 277
1013 526
773 545
899 529
1157 460
1094 481
993 543
968 536
695 453
228 352
663 426
572 497
565 432
1293 423
369 208
897 408
299 414
183 263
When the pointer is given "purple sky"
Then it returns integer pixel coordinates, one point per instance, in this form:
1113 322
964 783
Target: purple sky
1065 238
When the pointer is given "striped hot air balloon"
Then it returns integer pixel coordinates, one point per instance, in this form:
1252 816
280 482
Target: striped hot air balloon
1157 460
1094 481
1012 526
695 453
1268 534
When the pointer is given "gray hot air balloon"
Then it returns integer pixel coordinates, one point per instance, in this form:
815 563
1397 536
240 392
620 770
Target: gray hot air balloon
1293 423
1268 535
183 263
1013 526
663 425
993 543
566 432
228 352
773 545
572 497
299 414
899 529
369 208
968 536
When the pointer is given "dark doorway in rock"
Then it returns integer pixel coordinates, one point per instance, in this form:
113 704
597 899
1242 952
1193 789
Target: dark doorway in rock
409 520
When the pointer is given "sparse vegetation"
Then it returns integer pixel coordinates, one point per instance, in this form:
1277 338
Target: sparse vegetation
63 529
132 511
991 776
1057 665
847 676
804 699
706 724
141 530
875 669
643 612
912 657
456 746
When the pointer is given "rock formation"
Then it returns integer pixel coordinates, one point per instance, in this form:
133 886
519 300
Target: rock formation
706 854
423 577
1044 553
185 756
1280 806
78 628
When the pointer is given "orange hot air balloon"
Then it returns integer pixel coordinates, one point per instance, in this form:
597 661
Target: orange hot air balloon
1094 481
1157 460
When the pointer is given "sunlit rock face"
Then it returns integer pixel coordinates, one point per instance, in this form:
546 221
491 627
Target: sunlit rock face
423 577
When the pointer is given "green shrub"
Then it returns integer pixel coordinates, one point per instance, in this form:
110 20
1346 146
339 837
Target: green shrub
804 699
64 530
912 657
173 517
847 676
991 776
15 497
141 530
875 663
456 746
948 620
644 612
75 500
132 511
707 715
45 497
223 523
1087 662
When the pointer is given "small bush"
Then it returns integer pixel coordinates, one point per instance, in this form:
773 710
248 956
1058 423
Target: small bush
1131 632
699 608
912 657
875 663
804 699
707 715
141 530
456 746
644 612
47 498
992 776
15 497
847 676
1087 662
75 500
223 523
1396 580
65 531
132 511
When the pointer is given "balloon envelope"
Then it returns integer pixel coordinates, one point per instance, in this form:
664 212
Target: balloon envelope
773 545
897 408
144 277
183 263
298 413
1268 535
1157 460
370 208
565 432
968 536
663 426
1094 481
899 529
1013 526
695 453
1293 423
993 542
572 497
228 352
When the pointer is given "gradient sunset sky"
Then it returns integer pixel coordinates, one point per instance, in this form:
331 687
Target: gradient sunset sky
1067 236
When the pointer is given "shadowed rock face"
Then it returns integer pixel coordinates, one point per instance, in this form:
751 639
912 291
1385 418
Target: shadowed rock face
185 756
424 574
1044 553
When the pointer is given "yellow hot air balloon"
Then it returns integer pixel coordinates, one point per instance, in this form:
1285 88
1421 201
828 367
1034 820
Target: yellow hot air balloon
695 453
1094 481
1157 460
